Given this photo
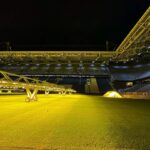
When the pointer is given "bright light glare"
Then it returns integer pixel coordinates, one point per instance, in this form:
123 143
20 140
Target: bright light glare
112 94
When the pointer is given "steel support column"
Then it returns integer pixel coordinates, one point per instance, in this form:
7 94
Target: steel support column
31 95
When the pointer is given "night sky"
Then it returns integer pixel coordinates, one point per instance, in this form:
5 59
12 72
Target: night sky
68 24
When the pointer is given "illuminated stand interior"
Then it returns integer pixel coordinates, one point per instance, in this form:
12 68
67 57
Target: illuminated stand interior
32 86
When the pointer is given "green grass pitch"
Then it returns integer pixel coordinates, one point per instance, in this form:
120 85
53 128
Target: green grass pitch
74 122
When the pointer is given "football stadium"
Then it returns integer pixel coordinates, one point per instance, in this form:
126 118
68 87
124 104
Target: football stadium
78 100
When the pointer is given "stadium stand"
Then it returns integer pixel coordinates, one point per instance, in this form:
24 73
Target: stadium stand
129 62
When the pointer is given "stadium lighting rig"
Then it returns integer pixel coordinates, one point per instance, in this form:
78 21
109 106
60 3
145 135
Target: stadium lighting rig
136 40
32 86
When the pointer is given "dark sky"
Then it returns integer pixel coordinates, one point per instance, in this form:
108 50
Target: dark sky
69 23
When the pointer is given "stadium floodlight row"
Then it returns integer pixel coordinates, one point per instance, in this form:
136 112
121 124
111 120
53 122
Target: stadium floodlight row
32 86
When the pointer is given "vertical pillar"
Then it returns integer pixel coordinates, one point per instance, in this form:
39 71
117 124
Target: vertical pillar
9 91
91 86
46 92
31 95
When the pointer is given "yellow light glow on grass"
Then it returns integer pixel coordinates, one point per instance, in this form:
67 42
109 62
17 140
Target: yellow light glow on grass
69 122
112 94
